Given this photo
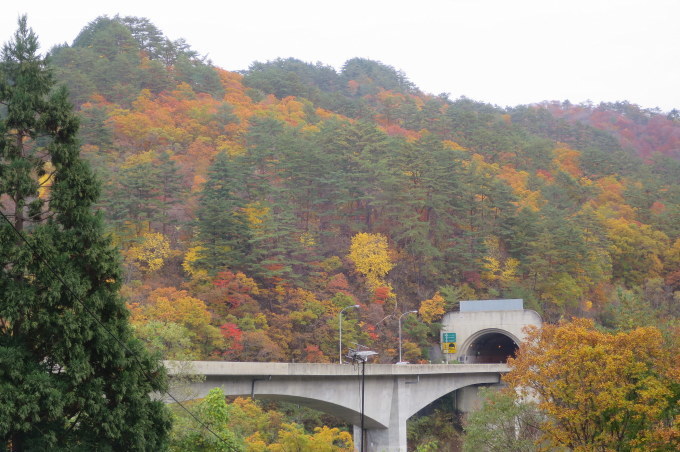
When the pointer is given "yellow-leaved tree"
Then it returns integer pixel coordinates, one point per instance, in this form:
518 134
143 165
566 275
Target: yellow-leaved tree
150 253
597 390
189 264
370 255
636 250
324 439
168 306
432 309
499 271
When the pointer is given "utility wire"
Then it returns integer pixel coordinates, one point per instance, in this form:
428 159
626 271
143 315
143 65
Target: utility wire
36 253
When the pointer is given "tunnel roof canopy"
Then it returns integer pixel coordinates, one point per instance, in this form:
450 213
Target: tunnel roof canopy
511 304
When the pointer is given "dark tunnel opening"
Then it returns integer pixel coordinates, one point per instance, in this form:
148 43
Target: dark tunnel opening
491 348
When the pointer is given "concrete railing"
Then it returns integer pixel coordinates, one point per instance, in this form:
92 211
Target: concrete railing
237 368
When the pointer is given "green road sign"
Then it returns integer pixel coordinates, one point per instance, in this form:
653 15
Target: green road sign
449 337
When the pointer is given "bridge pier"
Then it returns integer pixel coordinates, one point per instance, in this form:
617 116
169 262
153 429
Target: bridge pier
380 440
384 440
392 438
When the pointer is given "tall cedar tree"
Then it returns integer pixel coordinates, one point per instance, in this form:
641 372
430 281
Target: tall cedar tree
223 229
65 383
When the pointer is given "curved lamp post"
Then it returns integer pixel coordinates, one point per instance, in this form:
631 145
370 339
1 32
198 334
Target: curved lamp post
407 312
340 328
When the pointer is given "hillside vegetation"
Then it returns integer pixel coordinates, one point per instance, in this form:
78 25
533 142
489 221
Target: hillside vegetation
252 207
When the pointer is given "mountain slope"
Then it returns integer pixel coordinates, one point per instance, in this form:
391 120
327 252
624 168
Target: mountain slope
548 203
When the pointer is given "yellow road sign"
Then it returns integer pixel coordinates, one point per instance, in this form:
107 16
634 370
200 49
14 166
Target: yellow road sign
449 347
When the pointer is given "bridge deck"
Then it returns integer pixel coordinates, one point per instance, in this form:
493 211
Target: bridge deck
312 369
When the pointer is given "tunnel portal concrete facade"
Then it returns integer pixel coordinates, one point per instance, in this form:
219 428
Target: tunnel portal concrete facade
486 331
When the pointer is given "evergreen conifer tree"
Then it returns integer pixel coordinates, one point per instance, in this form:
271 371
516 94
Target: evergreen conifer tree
223 229
72 376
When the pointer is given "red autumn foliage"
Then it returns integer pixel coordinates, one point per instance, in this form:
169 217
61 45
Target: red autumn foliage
233 334
313 354
546 175
236 288
338 283
657 207
381 294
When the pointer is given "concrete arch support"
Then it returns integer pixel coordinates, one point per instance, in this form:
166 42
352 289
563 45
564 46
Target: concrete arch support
410 395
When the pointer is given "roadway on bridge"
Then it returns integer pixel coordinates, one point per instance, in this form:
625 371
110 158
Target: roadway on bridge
236 368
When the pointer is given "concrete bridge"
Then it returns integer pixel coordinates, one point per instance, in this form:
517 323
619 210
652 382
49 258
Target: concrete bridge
481 336
393 393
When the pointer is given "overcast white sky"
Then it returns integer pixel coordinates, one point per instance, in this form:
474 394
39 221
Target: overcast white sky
503 52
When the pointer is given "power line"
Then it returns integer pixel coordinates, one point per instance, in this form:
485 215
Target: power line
36 253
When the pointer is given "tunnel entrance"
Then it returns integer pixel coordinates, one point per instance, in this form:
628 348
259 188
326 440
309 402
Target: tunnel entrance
491 348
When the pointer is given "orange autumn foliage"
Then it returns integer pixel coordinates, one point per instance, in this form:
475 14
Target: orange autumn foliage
567 160
598 391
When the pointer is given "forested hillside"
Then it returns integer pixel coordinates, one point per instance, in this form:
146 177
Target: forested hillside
252 207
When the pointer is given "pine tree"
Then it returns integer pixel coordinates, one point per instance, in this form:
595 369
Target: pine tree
223 229
72 376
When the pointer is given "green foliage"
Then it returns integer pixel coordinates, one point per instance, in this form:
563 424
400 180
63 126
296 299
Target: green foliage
323 86
431 446
65 383
223 230
436 427
374 76
149 38
168 340
503 423
200 75
116 57
247 424
213 412
633 311
292 77
144 192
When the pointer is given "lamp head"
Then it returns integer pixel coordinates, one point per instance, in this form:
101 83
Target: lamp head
361 355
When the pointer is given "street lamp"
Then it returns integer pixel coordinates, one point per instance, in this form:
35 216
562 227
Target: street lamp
407 312
359 355
340 328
